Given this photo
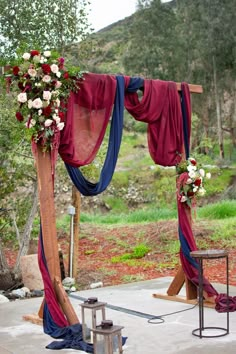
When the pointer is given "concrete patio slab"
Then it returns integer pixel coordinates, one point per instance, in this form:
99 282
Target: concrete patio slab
130 305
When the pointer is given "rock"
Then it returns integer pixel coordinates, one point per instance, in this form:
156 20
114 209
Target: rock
96 285
31 275
37 293
3 299
68 282
19 293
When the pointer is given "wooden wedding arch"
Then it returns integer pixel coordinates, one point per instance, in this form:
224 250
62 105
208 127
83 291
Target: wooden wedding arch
49 232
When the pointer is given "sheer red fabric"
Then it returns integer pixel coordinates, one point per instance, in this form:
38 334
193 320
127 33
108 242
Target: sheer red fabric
88 114
160 108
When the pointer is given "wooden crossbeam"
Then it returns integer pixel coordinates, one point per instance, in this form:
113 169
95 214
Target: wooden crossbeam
192 88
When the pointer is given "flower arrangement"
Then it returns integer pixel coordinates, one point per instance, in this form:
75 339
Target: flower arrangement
190 183
45 84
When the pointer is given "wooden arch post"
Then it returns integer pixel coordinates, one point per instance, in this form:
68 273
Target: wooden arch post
180 278
49 232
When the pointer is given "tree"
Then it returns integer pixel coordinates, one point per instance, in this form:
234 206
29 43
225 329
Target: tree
48 24
208 31
153 41
27 25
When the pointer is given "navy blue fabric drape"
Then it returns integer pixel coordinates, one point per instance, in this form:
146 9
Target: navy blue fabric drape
86 187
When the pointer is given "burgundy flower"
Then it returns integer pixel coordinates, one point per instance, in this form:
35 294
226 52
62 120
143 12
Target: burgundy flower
21 86
46 69
19 117
47 111
61 62
61 115
66 75
34 52
15 70
190 194
193 162
198 182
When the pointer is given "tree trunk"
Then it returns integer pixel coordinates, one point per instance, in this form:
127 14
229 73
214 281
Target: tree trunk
233 129
25 238
218 113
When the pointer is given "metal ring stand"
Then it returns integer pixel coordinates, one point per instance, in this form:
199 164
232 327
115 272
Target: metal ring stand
200 256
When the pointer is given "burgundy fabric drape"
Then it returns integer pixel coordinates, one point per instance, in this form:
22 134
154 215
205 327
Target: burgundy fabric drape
160 108
88 113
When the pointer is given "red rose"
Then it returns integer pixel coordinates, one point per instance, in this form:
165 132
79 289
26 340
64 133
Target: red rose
15 70
198 182
66 75
193 162
190 193
46 68
19 117
47 111
34 52
61 115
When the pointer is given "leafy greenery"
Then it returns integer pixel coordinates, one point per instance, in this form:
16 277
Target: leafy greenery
28 24
220 210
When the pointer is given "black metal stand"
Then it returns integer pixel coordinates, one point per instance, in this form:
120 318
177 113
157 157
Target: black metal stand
200 256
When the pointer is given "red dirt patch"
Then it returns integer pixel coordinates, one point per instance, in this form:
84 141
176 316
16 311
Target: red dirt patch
100 249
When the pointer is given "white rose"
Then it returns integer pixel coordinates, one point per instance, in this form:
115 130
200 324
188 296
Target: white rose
183 199
47 95
40 112
42 60
22 97
58 102
189 181
54 68
26 56
32 72
202 172
60 126
36 59
208 175
191 168
58 74
195 189
192 174
58 84
46 78
201 192
57 119
37 103
30 104
48 122
47 53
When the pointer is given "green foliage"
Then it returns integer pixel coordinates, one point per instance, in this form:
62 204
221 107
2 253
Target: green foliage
132 278
33 24
115 204
137 216
219 180
138 252
224 232
220 210
120 179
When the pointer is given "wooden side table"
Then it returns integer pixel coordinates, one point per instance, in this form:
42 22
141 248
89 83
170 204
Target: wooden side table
200 256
